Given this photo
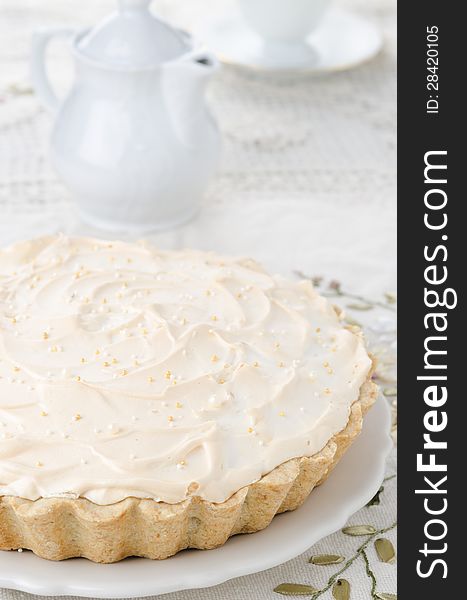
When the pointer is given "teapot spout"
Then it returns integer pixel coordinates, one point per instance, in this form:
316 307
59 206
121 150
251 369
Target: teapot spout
184 84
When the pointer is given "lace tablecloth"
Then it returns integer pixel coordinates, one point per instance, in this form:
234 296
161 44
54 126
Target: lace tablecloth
307 184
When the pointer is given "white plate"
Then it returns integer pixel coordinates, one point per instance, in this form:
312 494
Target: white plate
342 41
359 473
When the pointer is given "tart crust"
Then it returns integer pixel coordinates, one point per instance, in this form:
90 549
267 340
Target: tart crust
60 528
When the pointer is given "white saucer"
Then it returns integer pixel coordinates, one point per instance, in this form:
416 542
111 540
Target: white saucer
342 41
359 473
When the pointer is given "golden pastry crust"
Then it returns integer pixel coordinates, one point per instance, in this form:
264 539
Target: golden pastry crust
60 528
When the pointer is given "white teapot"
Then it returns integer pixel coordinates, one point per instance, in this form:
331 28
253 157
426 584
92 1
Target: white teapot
133 140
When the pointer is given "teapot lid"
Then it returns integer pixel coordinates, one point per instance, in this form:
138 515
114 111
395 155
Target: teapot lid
133 37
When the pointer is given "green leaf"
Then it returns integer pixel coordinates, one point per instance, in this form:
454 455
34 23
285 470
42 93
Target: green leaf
295 589
341 589
375 500
326 559
360 306
385 596
356 530
385 550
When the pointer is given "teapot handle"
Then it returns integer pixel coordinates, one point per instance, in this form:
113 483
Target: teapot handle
40 80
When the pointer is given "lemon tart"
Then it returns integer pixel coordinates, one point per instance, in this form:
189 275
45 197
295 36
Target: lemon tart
152 401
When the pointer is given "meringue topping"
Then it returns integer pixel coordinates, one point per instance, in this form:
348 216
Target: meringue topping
126 371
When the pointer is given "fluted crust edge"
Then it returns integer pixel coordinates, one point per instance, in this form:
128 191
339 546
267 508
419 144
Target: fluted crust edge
60 528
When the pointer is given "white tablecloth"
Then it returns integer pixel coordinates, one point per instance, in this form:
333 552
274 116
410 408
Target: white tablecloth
307 183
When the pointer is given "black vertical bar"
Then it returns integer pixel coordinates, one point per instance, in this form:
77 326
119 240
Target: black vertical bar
431 130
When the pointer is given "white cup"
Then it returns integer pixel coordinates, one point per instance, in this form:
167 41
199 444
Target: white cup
283 22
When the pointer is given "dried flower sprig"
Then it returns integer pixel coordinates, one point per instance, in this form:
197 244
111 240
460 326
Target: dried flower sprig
334 290
292 589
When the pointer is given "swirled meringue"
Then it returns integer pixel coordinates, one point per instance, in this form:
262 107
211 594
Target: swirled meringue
131 372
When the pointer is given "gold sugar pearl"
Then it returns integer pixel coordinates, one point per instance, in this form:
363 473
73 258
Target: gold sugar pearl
170 418
256 363
281 364
45 335
178 405
77 378
327 390
221 381
114 361
318 329
77 417
97 352
124 372
214 318
168 374
250 429
214 358
16 369
106 363
39 464
43 413
151 379
82 360
281 413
